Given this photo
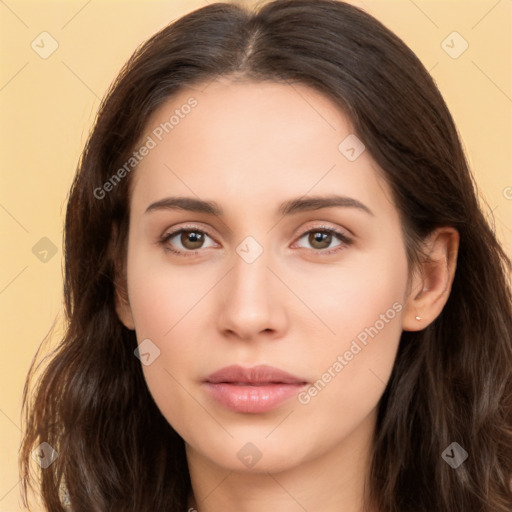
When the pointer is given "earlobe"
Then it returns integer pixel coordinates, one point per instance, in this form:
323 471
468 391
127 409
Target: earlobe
432 280
124 311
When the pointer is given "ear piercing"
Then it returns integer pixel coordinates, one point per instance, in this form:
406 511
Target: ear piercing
418 317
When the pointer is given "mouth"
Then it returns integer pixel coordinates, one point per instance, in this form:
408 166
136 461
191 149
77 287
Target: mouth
252 390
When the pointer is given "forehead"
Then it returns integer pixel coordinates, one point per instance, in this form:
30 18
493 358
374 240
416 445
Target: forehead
253 140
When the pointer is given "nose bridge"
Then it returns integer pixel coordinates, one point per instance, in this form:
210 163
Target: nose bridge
250 305
250 276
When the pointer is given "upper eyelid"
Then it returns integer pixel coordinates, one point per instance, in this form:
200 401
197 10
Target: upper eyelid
345 232
297 236
176 231
297 232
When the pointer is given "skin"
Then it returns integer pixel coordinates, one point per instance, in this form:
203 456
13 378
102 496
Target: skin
249 147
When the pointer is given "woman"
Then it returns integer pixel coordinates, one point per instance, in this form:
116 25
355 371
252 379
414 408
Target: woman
281 290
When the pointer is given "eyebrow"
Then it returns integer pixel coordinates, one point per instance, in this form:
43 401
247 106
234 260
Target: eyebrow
300 204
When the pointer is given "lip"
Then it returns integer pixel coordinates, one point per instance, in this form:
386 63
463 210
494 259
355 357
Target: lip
252 390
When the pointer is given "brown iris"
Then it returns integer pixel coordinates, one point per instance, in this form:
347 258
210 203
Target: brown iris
192 239
319 239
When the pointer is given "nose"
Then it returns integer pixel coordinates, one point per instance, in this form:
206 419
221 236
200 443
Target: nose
252 302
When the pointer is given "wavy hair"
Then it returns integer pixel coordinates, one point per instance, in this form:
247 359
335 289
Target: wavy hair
451 381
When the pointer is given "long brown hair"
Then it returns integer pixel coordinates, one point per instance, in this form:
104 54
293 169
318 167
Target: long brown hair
452 382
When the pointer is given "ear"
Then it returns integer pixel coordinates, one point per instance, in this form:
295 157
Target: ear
122 303
432 280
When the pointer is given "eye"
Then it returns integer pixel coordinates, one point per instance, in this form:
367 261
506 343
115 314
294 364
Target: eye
187 240
321 239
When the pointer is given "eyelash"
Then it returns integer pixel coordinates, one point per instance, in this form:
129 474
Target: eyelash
345 241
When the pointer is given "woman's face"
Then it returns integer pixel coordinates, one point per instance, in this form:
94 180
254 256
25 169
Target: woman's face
302 268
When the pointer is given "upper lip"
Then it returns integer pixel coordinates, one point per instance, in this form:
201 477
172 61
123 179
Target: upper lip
261 374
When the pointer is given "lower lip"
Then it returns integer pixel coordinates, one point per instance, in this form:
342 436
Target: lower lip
252 399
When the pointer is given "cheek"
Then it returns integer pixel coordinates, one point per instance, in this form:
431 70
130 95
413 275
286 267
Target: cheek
366 291
161 315
351 379
363 306
162 294
165 303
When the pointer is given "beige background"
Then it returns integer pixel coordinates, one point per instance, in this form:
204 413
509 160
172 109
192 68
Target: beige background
49 104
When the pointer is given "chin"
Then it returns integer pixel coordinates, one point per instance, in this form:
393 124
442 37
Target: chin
253 454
